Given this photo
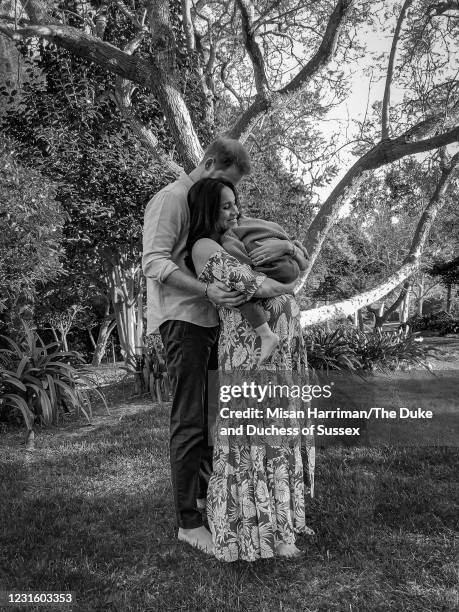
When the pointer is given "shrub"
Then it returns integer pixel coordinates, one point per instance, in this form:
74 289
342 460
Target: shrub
441 322
378 350
151 370
352 350
38 379
331 350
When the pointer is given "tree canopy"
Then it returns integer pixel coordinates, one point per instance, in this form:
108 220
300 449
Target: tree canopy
115 97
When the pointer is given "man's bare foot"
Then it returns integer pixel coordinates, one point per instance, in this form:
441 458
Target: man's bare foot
199 537
288 550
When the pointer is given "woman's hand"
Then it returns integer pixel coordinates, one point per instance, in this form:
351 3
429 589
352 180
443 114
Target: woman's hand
271 249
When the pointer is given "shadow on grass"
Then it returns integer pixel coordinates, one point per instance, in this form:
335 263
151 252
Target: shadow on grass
95 516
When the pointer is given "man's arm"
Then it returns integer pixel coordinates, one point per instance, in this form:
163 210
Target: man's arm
164 219
217 292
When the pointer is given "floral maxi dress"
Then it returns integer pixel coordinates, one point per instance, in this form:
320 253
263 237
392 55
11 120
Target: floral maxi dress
255 497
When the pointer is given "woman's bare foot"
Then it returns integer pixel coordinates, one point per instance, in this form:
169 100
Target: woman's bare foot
288 550
199 537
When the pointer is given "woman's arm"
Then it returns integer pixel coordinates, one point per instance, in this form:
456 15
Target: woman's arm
217 292
236 275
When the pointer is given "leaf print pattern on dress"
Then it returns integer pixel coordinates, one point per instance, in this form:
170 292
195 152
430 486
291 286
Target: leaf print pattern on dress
255 498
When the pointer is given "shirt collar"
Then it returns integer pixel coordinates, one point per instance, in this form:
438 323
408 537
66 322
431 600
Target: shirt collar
186 180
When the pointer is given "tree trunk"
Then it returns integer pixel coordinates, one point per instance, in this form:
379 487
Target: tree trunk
104 334
448 298
122 280
421 295
347 307
379 315
64 342
91 337
411 142
56 337
411 264
385 122
405 307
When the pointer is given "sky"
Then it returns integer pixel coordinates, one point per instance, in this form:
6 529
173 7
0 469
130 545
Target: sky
366 88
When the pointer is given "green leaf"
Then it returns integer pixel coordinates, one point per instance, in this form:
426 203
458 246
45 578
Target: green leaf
12 399
47 409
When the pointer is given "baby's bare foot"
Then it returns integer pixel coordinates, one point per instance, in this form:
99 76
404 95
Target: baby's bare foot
269 343
199 537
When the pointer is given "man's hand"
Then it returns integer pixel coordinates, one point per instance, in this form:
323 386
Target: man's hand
271 249
220 294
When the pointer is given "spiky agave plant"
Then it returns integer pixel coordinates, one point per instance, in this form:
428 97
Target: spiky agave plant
353 350
386 351
38 379
331 350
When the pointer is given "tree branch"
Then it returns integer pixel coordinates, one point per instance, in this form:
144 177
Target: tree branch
252 48
390 71
441 7
130 15
383 153
348 307
263 102
123 93
38 11
188 26
325 51
409 266
155 74
89 47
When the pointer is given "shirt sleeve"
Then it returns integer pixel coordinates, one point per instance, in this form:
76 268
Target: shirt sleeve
164 218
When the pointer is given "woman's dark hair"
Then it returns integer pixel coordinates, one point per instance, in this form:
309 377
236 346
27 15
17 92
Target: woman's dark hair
204 200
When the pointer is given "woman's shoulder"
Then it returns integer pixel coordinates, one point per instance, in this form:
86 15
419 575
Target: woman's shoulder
203 243
202 251
205 247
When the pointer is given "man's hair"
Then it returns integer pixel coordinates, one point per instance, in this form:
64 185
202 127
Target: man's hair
228 152
204 199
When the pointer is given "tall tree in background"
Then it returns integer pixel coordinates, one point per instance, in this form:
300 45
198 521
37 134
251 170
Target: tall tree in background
187 59
31 224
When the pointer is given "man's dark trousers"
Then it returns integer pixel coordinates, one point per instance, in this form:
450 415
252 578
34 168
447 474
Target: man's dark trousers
191 351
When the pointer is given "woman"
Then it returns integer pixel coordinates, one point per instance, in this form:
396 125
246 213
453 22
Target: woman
255 498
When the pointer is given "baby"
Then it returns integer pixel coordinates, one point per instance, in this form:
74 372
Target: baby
240 241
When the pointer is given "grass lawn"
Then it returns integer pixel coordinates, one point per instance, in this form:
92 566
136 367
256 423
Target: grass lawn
90 510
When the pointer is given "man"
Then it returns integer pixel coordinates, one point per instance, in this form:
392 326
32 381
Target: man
183 308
